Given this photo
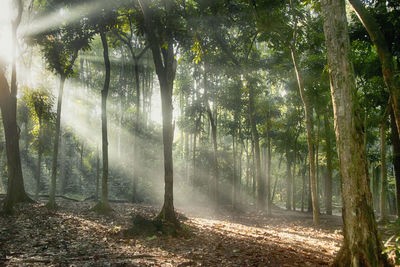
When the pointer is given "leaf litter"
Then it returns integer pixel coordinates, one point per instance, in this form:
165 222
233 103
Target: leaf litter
73 235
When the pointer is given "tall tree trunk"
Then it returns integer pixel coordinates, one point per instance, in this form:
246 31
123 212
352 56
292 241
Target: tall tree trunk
396 158
165 65
288 179
213 123
96 196
256 143
385 56
294 175
103 206
383 172
187 137
234 178
15 189
136 132
194 174
53 182
303 179
268 187
307 111
328 179
361 245
317 169
39 163
8 105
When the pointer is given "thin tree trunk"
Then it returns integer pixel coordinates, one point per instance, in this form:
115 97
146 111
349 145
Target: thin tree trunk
328 180
303 179
288 179
234 178
103 206
361 245
317 176
396 158
214 136
53 182
383 172
96 196
268 188
187 137
294 175
256 143
307 111
39 163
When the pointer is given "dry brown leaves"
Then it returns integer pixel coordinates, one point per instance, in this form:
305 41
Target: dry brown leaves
74 235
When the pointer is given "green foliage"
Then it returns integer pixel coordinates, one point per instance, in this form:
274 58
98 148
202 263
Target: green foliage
40 106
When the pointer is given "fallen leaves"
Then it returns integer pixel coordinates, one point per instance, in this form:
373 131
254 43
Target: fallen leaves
73 235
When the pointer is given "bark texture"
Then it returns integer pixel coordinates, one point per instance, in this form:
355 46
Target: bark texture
396 158
53 181
361 246
328 179
256 143
103 206
310 145
165 65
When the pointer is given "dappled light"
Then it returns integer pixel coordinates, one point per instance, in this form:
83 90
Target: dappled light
199 133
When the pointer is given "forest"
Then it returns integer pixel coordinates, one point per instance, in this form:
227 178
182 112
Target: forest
200 133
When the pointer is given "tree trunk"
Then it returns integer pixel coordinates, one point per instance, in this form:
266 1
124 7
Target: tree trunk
136 132
8 105
165 65
103 206
234 178
268 187
303 179
294 175
388 70
328 179
288 180
396 158
317 169
187 138
213 123
307 111
361 246
15 189
53 182
383 172
256 143
39 163
96 196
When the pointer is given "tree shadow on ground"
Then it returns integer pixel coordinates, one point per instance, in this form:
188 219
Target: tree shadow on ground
74 235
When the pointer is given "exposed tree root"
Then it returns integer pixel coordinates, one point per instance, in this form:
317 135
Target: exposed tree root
102 208
150 227
8 203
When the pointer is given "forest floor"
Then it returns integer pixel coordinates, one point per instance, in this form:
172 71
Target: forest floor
75 236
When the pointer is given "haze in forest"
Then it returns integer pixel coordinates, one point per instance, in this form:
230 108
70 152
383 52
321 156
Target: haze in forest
206 108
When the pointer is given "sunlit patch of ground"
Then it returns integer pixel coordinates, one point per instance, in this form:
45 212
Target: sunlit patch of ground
74 235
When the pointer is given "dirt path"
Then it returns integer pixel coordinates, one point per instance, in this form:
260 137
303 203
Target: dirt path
73 235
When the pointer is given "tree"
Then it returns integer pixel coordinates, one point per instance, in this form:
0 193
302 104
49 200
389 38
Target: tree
159 34
8 104
361 246
40 103
60 46
391 80
102 25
